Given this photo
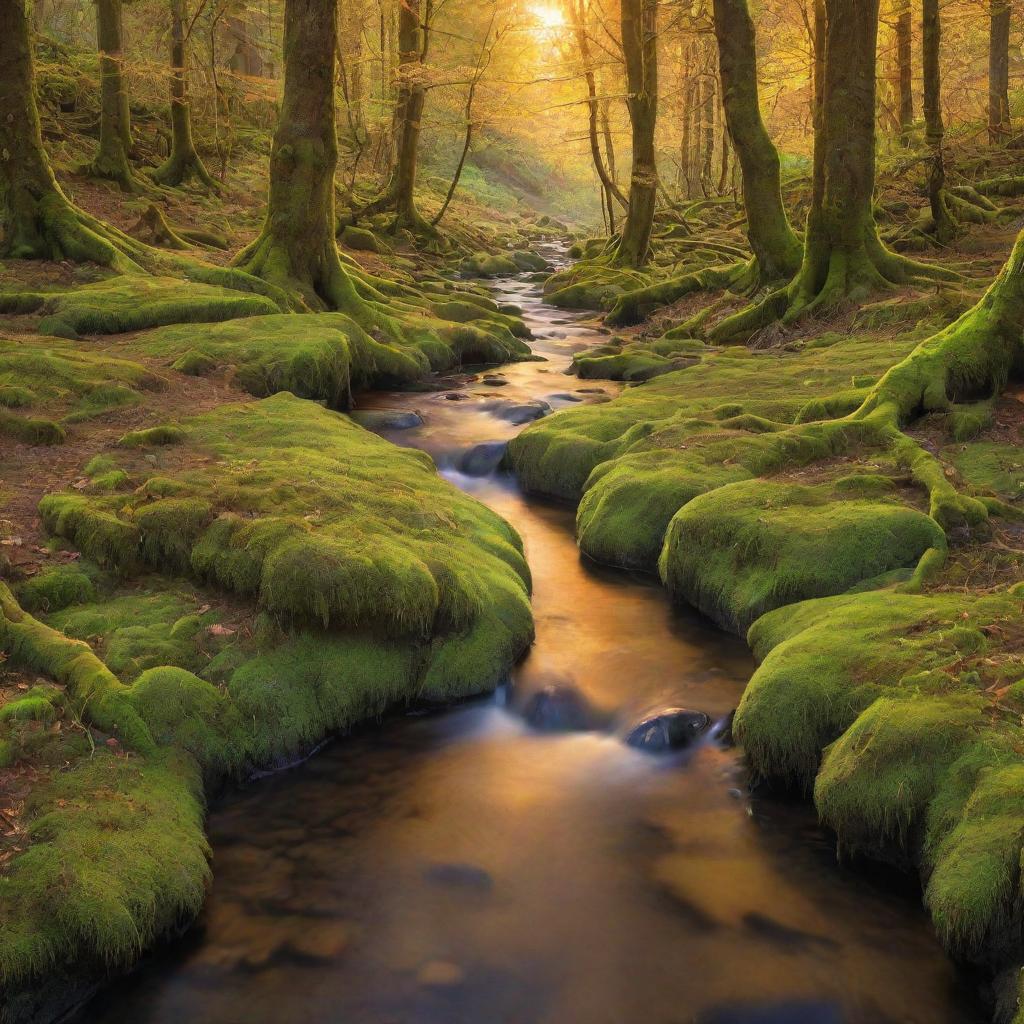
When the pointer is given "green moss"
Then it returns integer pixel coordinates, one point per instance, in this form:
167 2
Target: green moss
556 455
134 302
360 239
482 264
30 431
752 546
328 356
117 858
824 661
323 523
877 780
152 436
138 629
989 467
55 589
69 380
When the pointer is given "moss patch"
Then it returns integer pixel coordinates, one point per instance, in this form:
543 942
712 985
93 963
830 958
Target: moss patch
751 546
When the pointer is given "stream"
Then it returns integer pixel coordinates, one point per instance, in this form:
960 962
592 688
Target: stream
464 868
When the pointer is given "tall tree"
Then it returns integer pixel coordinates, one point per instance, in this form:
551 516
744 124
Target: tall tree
772 241
931 36
413 46
111 160
640 48
36 218
578 13
183 161
296 249
999 71
844 259
904 65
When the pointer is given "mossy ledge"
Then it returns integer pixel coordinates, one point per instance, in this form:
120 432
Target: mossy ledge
369 582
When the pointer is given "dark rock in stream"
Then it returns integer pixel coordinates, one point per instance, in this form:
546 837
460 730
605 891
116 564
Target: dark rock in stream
456 396
559 708
482 459
384 419
494 381
524 412
672 729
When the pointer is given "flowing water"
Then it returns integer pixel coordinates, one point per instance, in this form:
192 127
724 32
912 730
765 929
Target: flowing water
461 868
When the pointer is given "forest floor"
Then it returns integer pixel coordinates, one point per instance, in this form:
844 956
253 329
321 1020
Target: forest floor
202 575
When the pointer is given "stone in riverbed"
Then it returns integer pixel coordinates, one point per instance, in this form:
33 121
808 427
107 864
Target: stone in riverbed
524 412
385 419
492 380
482 459
558 708
671 729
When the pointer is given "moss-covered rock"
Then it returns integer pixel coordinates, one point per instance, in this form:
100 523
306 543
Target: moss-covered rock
323 523
132 302
328 356
754 545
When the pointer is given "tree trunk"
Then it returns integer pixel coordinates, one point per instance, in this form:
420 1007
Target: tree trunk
640 47
296 249
931 35
772 241
580 31
184 161
707 125
842 240
999 71
111 159
844 259
36 218
904 50
412 97
609 153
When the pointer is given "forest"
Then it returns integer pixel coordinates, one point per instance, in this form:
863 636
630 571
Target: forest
512 511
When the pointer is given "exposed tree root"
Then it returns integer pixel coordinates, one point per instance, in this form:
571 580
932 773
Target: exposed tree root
846 276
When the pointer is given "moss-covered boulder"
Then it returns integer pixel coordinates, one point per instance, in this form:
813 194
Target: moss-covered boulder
328 356
754 545
323 524
132 302
905 710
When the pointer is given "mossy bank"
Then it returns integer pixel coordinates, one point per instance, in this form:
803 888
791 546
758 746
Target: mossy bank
252 580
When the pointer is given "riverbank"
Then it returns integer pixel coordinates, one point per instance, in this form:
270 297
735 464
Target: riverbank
874 571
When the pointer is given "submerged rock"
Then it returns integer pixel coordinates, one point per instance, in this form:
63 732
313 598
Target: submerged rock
524 412
559 708
482 459
384 419
672 729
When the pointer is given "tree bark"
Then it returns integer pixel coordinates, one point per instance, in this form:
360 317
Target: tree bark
640 47
583 43
931 35
412 97
111 160
296 249
772 241
36 218
904 63
183 162
999 71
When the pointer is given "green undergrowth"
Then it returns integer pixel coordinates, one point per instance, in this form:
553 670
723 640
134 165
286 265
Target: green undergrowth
66 382
323 524
750 546
328 356
117 857
905 711
131 302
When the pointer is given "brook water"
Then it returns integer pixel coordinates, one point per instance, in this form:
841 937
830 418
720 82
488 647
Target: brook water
462 868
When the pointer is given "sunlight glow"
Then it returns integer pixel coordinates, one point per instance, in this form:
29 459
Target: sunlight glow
549 18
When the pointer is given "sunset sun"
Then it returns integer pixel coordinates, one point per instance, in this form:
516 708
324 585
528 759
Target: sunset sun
549 18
